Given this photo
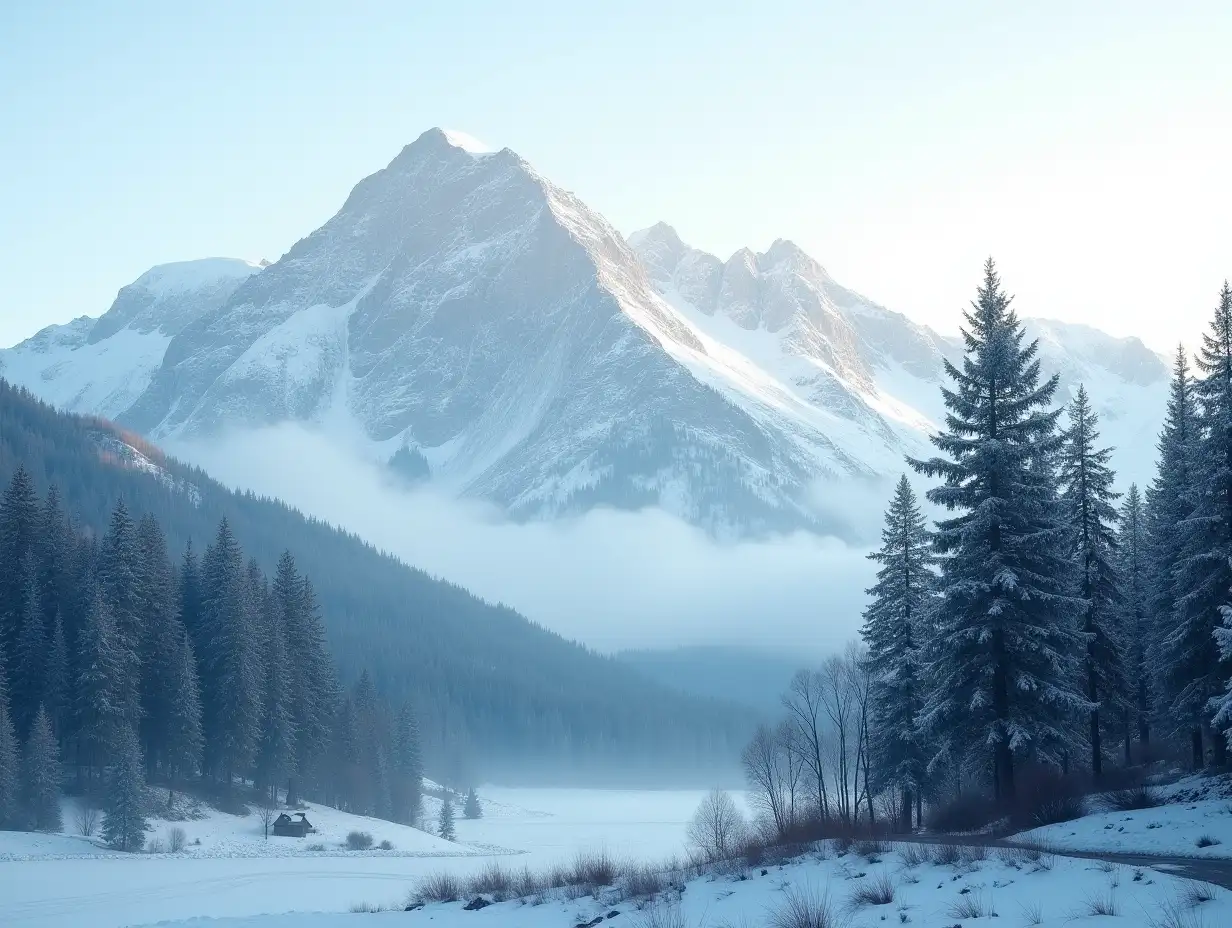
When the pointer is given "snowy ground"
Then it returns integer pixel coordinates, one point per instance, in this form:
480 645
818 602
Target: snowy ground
57 881
1194 821
1050 894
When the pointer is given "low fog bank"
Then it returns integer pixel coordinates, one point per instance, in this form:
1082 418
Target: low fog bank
613 580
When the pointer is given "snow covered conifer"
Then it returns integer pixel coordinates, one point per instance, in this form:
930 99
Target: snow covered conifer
1168 506
19 512
276 750
1195 672
471 809
406 785
183 747
446 829
1003 657
230 664
125 824
41 775
97 702
1136 632
893 628
1087 496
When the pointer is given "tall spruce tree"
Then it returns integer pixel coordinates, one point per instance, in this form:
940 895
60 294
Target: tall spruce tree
98 700
41 776
407 781
119 583
1195 671
19 518
124 823
1136 630
161 631
30 660
56 685
1168 506
445 827
53 547
230 672
894 623
184 739
276 753
314 683
1088 497
1003 658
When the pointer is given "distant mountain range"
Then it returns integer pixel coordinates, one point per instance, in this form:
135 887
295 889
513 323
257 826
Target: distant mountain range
473 324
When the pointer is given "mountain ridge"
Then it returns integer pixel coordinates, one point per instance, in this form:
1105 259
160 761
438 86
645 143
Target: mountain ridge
462 310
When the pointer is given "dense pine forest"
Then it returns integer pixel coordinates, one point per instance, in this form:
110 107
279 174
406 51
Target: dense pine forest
1046 634
495 695
122 667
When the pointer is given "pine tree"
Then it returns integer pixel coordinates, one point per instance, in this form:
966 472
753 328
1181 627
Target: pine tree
190 597
56 685
125 825
161 632
184 739
9 779
29 665
19 515
1088 497
119 583
893 633
276 754
1136 631
1195 672
41 785
98 698
472 809
407 781
313 684
1168 506
446 829
230 664
1002 662
53 545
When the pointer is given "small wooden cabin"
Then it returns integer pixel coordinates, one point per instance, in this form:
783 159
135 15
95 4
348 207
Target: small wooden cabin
289 827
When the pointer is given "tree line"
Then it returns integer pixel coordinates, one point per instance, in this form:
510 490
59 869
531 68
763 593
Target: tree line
1044 621
119 667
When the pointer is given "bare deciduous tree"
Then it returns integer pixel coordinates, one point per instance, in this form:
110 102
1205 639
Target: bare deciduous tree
718 828
804 701
773 771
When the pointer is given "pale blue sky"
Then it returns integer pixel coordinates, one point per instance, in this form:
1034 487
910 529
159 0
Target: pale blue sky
1086 145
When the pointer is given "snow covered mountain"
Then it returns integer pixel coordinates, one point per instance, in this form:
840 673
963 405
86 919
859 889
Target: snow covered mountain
464 318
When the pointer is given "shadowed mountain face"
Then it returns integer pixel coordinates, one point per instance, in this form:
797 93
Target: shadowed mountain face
462 312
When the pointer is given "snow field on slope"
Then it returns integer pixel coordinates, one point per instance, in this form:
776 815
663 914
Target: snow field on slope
219 834
1183 826
1057 893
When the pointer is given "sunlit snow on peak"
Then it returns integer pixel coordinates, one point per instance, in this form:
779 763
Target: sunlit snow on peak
467 142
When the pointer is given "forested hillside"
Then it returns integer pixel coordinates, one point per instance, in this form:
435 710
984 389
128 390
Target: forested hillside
496 695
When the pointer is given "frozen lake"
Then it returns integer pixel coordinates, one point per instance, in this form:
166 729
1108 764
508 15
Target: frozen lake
545 826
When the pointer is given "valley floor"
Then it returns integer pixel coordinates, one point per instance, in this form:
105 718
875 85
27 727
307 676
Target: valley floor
58 881
236 879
